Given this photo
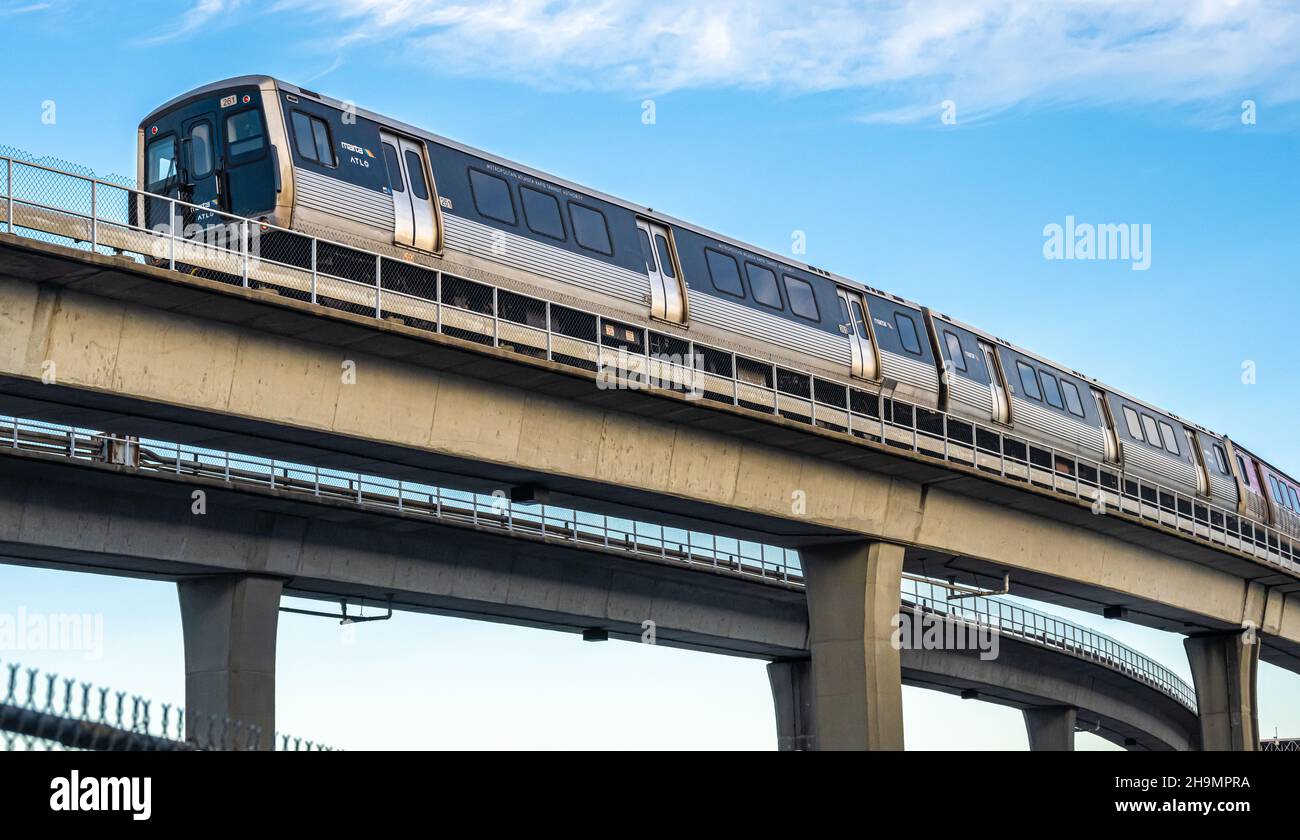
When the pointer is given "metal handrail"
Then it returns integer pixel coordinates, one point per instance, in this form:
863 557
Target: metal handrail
960 442
577 528
1011 619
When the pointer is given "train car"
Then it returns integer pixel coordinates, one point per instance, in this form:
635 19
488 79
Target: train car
287 156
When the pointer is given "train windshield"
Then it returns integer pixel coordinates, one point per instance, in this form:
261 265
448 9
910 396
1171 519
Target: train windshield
160 164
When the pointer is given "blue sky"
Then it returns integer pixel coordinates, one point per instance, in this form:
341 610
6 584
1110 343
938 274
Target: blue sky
770 118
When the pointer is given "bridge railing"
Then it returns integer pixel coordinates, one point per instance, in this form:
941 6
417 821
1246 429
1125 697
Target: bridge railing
567 526
44 202
487 512
1013 620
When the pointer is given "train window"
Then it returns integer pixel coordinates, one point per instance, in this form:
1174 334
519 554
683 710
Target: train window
647 250
1220 459
802 300
665 257
492 197
1134 424
1295 498
1245 471
1149 426
394 168
1168 436
762 285
415 171
725 273
589 228
1029 380
161 163
244 138
1051 390
954 350
1272 483
1072 402
542 213
313 138
201 150
860 320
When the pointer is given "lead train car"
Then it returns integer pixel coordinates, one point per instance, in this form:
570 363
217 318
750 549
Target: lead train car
257 147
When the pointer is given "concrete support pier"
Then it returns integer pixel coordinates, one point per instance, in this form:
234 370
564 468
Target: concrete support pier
1051 728
853 596
792 698
229 624
1224 670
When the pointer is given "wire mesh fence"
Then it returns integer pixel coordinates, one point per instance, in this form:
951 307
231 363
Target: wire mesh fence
43 711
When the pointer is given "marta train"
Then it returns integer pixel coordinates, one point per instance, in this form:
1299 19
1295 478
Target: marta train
287 156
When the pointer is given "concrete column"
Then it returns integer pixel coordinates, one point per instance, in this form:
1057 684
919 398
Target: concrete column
1051 728
229 624
1224 669
792 697
853 596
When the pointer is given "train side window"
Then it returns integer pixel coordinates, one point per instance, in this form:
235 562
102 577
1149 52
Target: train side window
1170 439
201 149
647 251
244 137
1051 390
415 171
1029 381
312 135
665 258
955 354
725 273
802 300
492 197
762 285
1245 471
1072 402
589 228
1134 424
1295 498
1221 459
860 320
394 168
542 213
1149 426
1272 484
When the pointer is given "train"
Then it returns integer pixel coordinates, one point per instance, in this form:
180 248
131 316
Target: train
294 159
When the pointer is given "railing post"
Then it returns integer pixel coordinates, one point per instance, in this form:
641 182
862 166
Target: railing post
379 283
313 269
9 192
171 229
243 250
94 215
437 312
549 352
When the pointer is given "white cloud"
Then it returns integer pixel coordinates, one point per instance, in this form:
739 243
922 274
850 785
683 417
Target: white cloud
199 15
909 55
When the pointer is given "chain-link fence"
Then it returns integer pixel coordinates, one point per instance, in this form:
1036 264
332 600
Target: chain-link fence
40 711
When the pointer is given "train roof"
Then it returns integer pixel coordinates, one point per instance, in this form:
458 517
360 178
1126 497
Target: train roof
272 83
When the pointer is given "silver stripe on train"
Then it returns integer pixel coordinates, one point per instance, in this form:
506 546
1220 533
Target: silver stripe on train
917 374
339 198
769 329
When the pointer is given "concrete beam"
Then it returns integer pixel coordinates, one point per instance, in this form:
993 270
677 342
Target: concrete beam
792 700
1051 728
229 624
853 596
1225 669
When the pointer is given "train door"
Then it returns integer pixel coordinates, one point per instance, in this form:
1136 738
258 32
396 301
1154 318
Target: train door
1001 402
1198 463
1110 440
201 182
667 301
415 214
854 314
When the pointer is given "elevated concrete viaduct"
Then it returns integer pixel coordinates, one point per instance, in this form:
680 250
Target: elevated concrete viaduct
144 351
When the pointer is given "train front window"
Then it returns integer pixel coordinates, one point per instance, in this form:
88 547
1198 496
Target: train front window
161 163
244 137
200 150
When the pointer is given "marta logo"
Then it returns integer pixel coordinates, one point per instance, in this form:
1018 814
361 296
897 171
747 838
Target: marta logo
123 793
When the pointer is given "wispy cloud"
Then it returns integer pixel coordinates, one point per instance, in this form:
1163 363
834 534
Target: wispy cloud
10 9
908 55
188 22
